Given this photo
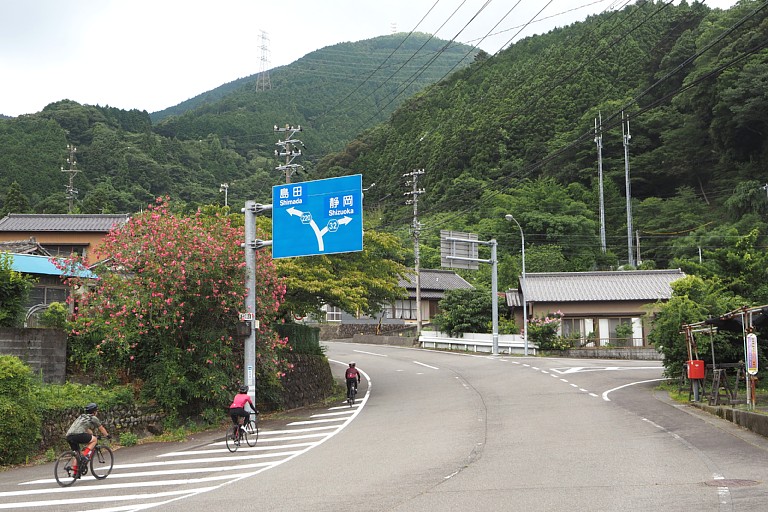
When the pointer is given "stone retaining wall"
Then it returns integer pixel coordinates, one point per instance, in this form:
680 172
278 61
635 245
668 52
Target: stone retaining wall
117 420
309 382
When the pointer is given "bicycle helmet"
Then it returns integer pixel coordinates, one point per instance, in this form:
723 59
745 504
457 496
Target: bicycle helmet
91 407
352 364
243 389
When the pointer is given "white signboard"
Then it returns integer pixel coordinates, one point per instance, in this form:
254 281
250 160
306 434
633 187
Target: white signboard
752 353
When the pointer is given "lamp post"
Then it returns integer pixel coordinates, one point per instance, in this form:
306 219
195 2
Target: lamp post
509 217
225 188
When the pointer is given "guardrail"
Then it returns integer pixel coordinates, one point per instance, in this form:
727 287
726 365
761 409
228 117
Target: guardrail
476 342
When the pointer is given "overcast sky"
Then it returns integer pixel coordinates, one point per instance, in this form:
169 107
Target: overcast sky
153 54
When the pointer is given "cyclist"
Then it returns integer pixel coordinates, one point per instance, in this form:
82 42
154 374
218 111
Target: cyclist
81 432
237 409
352 377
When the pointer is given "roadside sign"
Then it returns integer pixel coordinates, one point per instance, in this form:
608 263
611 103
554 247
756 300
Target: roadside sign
752 353
246 317
317 217
458 250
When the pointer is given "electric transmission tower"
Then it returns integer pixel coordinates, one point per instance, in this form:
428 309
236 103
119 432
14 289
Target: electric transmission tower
262 80
72 171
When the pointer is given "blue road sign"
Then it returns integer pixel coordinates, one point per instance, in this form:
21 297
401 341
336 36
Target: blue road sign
317 217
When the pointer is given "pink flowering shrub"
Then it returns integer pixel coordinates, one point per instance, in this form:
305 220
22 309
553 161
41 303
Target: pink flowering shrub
544 331
164 310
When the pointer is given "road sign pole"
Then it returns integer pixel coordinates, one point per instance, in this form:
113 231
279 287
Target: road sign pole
250 299
494 299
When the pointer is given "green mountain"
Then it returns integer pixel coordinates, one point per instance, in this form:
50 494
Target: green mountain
223 136
512 133
333 93
516 134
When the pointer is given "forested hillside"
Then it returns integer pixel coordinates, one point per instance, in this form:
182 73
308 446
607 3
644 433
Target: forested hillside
516 134
226 137
513 133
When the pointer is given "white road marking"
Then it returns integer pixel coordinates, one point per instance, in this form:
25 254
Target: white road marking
315 422
583 369
370 353
605 393
428 366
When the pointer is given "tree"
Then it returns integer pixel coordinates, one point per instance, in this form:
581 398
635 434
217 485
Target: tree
465 310
693 299
15 201
14 290
165 309
358 282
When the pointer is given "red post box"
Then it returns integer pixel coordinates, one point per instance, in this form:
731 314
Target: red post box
696 369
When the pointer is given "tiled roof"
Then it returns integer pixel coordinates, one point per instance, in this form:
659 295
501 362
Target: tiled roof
24 247
435 280
61 222
600 286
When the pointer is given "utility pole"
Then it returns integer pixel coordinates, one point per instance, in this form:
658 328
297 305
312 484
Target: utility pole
262 79
72 171
415 193
599 142
626 136
288 149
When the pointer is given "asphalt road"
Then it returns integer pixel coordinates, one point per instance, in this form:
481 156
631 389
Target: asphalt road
442 432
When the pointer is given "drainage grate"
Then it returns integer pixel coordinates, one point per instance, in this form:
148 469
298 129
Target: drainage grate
732 482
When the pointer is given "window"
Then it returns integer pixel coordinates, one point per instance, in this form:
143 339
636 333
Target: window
572 327
405 309
46 295
625 336
65 250
332 313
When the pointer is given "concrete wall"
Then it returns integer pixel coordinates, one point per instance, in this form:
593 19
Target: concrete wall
44 350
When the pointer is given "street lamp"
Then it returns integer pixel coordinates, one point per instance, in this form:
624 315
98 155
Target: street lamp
509 217
225 188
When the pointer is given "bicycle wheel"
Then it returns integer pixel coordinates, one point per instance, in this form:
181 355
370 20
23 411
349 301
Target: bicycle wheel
233 440
252 433
64 469
101 462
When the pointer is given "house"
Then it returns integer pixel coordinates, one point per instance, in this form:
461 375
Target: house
432 284
594 304
49 286
61 234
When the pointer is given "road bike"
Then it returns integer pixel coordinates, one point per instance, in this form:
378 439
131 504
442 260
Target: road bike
71 465
248 433
351 395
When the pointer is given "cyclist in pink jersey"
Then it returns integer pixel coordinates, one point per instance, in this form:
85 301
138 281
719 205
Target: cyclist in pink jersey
237 409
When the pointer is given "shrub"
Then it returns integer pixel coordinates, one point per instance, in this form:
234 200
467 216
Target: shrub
302 339
19 418
128 439
54 316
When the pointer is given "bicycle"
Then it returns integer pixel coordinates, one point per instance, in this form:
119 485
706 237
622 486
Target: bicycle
71 465
351 395
248 432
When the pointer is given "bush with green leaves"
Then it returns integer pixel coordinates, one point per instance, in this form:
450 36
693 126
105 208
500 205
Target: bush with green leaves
543 330
164 311
465 310
14 290
54 316
19 417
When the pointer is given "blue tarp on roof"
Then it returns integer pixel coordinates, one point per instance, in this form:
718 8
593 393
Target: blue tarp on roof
32 264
